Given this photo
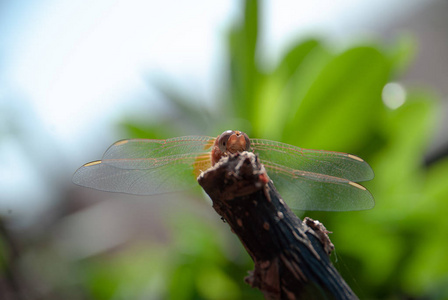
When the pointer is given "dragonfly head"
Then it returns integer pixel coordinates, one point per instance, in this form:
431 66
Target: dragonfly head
232 141
229 142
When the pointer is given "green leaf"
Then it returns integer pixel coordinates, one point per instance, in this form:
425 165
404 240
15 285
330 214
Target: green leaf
139 130
342 104
213 283
280 90
243 68
182 282
398 165
294 57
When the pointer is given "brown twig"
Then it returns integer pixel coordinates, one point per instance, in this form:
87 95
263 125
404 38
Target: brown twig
291 257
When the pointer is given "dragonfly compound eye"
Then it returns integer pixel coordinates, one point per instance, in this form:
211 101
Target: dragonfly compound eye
223 139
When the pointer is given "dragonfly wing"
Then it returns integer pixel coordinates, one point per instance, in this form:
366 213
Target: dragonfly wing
148 167
336 164
310 191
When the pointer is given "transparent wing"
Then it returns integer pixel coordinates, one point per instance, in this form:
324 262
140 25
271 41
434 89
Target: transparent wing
315 179
310 191
335 164
148 167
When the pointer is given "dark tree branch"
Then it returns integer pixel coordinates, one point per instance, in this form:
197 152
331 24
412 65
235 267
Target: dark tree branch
291 257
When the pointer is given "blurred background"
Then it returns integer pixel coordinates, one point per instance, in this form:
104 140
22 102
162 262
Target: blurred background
367 78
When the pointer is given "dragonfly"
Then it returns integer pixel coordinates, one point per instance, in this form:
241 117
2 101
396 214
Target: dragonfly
306 179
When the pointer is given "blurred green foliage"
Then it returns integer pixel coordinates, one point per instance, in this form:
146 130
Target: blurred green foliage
321 99
195 265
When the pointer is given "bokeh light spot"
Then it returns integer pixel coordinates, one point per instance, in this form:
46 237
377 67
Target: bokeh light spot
394 95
